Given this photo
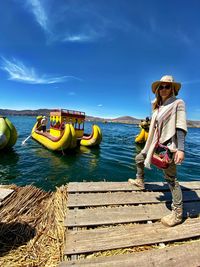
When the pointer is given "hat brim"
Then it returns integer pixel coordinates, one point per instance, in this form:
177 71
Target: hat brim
156 84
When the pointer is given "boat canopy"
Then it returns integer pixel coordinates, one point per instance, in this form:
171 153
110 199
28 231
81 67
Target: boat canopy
68 113
59 117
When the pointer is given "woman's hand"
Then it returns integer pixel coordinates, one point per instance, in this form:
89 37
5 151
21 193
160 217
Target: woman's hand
179 157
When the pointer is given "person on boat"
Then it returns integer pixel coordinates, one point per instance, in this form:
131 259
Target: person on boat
145 123
44 123
169 120
147 120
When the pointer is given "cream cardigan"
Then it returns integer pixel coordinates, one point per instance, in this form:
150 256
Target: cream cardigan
165 120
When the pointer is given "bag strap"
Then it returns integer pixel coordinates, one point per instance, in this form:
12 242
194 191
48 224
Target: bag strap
158 142
157 128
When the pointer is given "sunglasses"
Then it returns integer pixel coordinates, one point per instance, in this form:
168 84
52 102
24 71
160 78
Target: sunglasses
168 86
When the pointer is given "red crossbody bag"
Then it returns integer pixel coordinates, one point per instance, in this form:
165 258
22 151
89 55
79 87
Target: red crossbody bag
162 156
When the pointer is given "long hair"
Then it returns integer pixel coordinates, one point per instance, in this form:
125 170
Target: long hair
158 102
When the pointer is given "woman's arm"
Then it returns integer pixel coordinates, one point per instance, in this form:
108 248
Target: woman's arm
180 133
180 154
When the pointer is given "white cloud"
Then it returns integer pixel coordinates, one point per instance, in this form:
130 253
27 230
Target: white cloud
17 71
100 105
39 12
154 29
153 25
72 93
78 38
74 21
191 81
183 37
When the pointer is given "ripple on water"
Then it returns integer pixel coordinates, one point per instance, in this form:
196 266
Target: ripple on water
113 161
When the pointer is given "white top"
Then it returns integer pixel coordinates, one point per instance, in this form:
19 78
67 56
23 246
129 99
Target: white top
44 122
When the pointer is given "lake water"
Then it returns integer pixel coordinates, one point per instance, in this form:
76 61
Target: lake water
112 161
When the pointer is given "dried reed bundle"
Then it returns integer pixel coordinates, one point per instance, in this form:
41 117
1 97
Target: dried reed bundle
31 227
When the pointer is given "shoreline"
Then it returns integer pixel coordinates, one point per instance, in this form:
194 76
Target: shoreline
134 121
122 119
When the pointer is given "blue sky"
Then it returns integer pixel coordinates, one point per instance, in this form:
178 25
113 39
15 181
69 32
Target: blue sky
97 56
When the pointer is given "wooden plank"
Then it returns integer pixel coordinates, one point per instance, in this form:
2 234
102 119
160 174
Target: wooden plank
185 255
122 198
5 193
101 239
124 186
74 256
106 216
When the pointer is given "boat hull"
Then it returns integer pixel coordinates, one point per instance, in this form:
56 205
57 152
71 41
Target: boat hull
66 141
13 133
141 137
94 139
8 133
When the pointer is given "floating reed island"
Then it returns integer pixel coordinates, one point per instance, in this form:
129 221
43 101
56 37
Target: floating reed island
92 224
31 226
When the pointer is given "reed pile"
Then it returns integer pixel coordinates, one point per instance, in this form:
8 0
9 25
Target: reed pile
31 227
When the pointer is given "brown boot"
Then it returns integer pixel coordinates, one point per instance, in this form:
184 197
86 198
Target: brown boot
139 182
174 218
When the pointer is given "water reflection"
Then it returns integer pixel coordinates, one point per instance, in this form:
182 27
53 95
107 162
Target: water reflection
8 164
61 168
9 155
93 155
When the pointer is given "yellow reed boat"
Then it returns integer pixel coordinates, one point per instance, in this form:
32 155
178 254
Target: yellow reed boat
8 133
141 138
66 131
94 139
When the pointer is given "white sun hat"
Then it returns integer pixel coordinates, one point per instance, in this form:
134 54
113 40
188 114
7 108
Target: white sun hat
166 79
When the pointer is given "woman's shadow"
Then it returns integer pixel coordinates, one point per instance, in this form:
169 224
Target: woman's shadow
191 199
14 235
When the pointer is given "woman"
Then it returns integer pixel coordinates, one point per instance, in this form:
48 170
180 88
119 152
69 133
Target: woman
168 125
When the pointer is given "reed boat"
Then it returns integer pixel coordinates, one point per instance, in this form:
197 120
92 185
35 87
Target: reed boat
94 139
66 131
53 142
8 133
141 138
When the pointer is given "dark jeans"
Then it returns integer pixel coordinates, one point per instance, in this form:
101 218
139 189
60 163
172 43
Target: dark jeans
44 128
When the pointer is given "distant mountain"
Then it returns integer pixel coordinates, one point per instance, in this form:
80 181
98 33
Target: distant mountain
27 112
91 118
127 119
124 119
193 124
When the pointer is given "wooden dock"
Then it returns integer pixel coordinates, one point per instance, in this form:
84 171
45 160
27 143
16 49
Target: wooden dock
110 218
4 193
